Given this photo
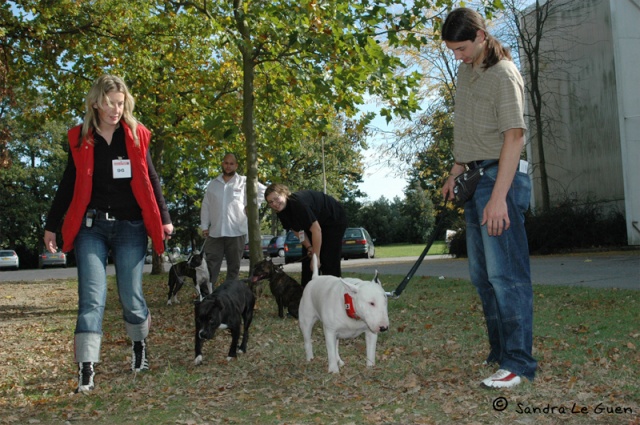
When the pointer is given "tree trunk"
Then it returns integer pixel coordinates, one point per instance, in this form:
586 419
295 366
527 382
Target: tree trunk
248 69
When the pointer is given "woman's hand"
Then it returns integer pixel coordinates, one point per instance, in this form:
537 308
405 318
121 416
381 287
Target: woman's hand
50 243
168 230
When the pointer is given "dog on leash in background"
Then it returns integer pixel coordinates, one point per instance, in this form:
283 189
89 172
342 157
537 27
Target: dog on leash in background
229 306
286 290
195 267
346 307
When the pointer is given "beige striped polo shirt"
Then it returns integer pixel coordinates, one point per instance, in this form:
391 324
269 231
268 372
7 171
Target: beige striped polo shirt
488 102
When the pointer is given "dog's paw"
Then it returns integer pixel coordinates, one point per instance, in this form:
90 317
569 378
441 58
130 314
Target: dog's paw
198 360
230 358
334 369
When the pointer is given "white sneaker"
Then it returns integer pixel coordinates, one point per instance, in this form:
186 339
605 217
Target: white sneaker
502 379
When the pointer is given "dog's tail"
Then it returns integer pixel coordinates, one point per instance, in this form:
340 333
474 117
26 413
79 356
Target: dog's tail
314 264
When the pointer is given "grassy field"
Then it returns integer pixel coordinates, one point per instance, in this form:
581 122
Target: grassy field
428 366
410 250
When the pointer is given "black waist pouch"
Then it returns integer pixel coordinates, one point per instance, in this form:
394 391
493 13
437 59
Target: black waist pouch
465 185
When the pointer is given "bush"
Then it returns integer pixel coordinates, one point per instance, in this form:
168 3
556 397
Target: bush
566 227
570 226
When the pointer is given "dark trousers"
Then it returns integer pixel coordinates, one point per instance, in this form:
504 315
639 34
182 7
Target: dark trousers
330 253
227 247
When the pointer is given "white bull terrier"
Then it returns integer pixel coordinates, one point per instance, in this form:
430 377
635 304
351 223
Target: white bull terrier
346 307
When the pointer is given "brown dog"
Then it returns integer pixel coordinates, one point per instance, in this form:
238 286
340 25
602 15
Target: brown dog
284 288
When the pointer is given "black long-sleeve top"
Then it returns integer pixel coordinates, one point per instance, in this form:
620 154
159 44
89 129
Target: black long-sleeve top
306 206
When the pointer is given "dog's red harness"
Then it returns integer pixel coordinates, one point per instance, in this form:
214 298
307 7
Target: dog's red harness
349 307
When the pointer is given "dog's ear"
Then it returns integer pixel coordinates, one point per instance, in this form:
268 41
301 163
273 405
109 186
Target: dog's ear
350 288
376 278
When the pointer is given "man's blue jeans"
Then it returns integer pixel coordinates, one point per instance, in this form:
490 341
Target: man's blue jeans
499 269
127 241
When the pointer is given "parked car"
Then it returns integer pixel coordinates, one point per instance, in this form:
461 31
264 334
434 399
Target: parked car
9 259
52 259
292 248
357 243
264 241
276 247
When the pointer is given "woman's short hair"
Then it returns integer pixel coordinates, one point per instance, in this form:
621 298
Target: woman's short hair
278 188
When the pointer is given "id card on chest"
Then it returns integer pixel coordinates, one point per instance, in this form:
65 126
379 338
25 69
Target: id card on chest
121 168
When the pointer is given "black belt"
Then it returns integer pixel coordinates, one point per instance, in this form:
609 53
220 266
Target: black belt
475 164
103 215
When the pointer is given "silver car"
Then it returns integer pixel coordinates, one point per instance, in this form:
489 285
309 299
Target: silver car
51 259
9 259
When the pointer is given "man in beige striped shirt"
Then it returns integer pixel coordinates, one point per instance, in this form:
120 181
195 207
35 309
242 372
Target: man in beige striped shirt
489 133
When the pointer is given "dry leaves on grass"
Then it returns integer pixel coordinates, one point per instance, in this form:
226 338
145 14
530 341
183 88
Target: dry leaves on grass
427 368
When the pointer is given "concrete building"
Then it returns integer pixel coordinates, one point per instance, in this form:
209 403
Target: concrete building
588 74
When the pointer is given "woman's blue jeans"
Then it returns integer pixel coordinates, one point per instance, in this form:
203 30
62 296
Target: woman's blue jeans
127 241
499 269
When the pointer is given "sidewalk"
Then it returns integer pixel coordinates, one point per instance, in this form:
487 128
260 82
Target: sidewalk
619 269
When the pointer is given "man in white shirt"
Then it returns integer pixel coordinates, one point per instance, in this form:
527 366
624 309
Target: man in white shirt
223 219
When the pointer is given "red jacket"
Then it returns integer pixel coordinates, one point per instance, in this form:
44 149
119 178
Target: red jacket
140 184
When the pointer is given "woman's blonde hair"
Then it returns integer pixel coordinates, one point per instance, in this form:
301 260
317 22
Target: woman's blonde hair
97 97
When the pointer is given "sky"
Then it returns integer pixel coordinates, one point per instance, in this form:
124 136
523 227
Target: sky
379 180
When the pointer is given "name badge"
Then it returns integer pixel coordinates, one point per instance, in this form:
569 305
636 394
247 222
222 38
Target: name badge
121 168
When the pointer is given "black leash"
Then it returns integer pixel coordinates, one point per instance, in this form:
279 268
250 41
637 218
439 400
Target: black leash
440 221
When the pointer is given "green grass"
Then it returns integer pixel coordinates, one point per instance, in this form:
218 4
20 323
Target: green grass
410 250
428 365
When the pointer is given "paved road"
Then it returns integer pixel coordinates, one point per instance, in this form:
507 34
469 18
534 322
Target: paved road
597 270
620 269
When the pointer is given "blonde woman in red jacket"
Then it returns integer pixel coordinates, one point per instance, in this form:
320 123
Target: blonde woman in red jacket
113 200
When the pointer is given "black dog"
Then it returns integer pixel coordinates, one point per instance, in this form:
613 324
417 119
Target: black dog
284 288
228 307
194 267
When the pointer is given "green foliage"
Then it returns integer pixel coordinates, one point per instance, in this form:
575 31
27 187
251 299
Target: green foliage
418 209
574 224
271 81
36 161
